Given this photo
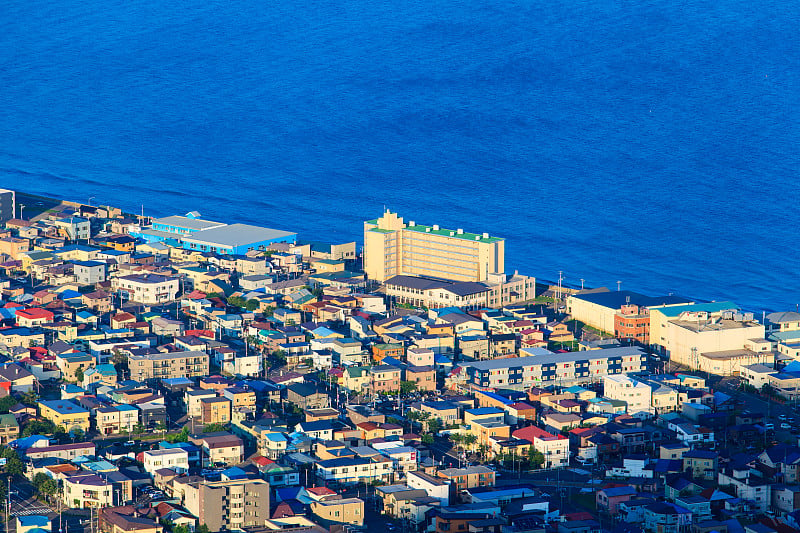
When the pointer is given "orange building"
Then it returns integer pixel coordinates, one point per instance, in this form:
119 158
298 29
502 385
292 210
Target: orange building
380 351
633 322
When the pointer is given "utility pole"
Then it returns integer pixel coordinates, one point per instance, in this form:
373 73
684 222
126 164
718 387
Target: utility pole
619 285
582 280
560 279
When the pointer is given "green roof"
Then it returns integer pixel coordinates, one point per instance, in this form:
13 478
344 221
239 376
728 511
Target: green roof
8 420
447 233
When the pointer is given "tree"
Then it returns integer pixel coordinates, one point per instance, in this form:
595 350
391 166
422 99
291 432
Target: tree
49 487
6 403
407 387
79 374
14 466
434 425
39 427
180 529
470 440
535 458
30 398
213 428
427 438
237 301
253 304
77 433
203 529
182 436
279 356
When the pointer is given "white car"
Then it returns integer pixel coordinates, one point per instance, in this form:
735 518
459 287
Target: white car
785 426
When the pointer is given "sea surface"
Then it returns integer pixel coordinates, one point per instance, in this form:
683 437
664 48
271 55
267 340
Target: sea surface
651 142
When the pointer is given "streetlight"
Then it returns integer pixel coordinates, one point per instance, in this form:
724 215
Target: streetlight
89 201
21 207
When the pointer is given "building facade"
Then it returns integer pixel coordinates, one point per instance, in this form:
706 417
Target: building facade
393 247
168 365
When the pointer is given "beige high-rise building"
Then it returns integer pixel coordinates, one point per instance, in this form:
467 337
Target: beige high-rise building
393 247
228 505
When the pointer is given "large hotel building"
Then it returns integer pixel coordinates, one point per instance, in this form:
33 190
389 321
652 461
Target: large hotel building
392 248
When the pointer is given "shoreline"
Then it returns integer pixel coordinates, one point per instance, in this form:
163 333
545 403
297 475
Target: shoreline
50 203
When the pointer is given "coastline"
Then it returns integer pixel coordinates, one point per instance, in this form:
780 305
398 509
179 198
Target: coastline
42 204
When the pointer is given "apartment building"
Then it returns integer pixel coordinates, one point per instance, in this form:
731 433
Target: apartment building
215 410
353 470
384 378
393 247
553 369
175 459
328 512
168 365
636 395
116 419
85 490
220 449
468 478
147 288
229 504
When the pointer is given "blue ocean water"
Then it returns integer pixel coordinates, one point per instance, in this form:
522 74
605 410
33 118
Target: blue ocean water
651 142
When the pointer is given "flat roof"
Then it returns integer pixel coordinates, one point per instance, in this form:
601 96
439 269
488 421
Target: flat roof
476 237
236 235
711 307
494 364
186 222
719 325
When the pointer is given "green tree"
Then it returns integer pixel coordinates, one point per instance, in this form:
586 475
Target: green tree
427 438
407 387
29 398
182 436
39 479
38 427
535 458
180 529
203 529
14 466
77 433
252 304
237 301
79 374
434 425
279 356
6 403
49 487
213 428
